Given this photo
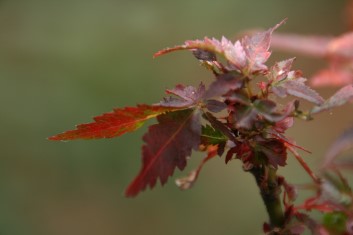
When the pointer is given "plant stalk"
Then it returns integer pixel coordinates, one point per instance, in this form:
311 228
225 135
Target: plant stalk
267 181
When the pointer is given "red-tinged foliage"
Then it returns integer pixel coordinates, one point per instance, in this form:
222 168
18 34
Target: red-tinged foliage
244 118
341 97
115 123
167 145
257 47
224 84
294 84
185 96
274 150
188 181
247 55
280 70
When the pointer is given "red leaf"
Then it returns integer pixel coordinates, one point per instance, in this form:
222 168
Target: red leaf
341 97
207 44
168 144
294 84
275 151
186 96
281 69
234 53
250 53
256 49
225 83
188 181
115 123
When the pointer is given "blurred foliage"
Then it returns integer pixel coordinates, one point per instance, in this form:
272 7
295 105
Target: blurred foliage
63 61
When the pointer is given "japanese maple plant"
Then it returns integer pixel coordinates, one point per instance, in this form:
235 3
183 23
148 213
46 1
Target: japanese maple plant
243 114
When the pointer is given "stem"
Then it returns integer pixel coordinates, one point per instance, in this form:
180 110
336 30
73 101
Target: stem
267 182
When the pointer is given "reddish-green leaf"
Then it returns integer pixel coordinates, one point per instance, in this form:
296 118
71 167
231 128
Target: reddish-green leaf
167 146
341 97
115 123
211 136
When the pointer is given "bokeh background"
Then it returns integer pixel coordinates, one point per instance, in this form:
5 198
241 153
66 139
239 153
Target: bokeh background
63 62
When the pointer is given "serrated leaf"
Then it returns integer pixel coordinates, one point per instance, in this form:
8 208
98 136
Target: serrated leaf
225 83
299 89
167 146
115 123
211 136
207 44
248 54
294 84
274 150
257 47
341 97
281 69
234 53
185 96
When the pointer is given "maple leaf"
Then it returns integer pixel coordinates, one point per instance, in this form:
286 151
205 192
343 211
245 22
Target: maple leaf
341 97
274 150
186 96
188 181
115 123
294 84
247 55
225 83
167 145
280 70
256 49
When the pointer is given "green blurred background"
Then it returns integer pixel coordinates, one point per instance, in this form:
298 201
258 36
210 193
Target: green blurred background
63 62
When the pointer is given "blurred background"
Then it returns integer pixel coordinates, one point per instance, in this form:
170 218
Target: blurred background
63 62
